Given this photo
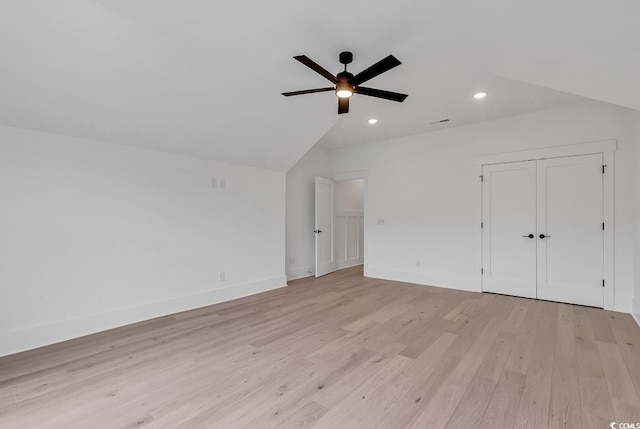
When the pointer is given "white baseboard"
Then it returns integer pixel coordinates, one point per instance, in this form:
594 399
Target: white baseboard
635 312
350 263
622 305
300 273
460 283
25 339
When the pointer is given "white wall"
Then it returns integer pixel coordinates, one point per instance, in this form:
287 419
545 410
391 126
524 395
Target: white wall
425 189
636 302
348 225
97 235
300 251
349 195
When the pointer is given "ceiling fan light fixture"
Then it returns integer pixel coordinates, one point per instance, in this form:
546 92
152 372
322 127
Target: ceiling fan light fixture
344 90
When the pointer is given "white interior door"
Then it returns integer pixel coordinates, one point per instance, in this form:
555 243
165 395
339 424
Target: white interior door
570 216
325 257
509 227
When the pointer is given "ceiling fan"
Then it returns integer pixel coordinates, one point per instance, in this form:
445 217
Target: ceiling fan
346 84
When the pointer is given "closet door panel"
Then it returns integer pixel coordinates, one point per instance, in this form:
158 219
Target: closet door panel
509 216
570 213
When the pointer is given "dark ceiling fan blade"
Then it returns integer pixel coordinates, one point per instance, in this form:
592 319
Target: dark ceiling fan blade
378 68
343 105
379 93
308 91
316 67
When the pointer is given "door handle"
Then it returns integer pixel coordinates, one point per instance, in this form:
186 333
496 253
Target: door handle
542 236
317 231
529 236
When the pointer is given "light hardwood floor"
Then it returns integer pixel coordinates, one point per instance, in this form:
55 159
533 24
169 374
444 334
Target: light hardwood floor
341 351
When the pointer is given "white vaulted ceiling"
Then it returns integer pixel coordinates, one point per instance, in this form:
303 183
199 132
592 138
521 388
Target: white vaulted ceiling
204 78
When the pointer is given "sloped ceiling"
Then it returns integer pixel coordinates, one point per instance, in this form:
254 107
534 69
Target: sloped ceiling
203 78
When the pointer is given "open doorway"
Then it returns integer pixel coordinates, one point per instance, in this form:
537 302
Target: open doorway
340 228
349 223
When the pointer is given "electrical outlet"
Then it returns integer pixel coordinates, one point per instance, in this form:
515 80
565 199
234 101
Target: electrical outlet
292 261
214 182
418 265
221 276
223 183
380 221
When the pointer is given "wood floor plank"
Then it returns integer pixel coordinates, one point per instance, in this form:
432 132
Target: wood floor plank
304 418
305 388
628 341
173 418
440 407
501 411
625 399
519 309
521 352
595 402
331 396
426 385
533 408
472 405
564 408
600 326
496 357
405 401
474 358
339 351
382 315
355 408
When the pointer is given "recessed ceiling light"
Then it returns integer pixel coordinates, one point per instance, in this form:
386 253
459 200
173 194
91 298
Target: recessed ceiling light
479 95
372 121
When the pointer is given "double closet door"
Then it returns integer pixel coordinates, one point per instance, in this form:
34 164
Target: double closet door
542 233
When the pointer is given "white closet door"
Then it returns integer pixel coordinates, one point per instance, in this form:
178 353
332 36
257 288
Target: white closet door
570 213
509 217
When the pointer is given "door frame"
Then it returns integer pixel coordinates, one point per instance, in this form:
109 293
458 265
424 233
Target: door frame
360 174
607 148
